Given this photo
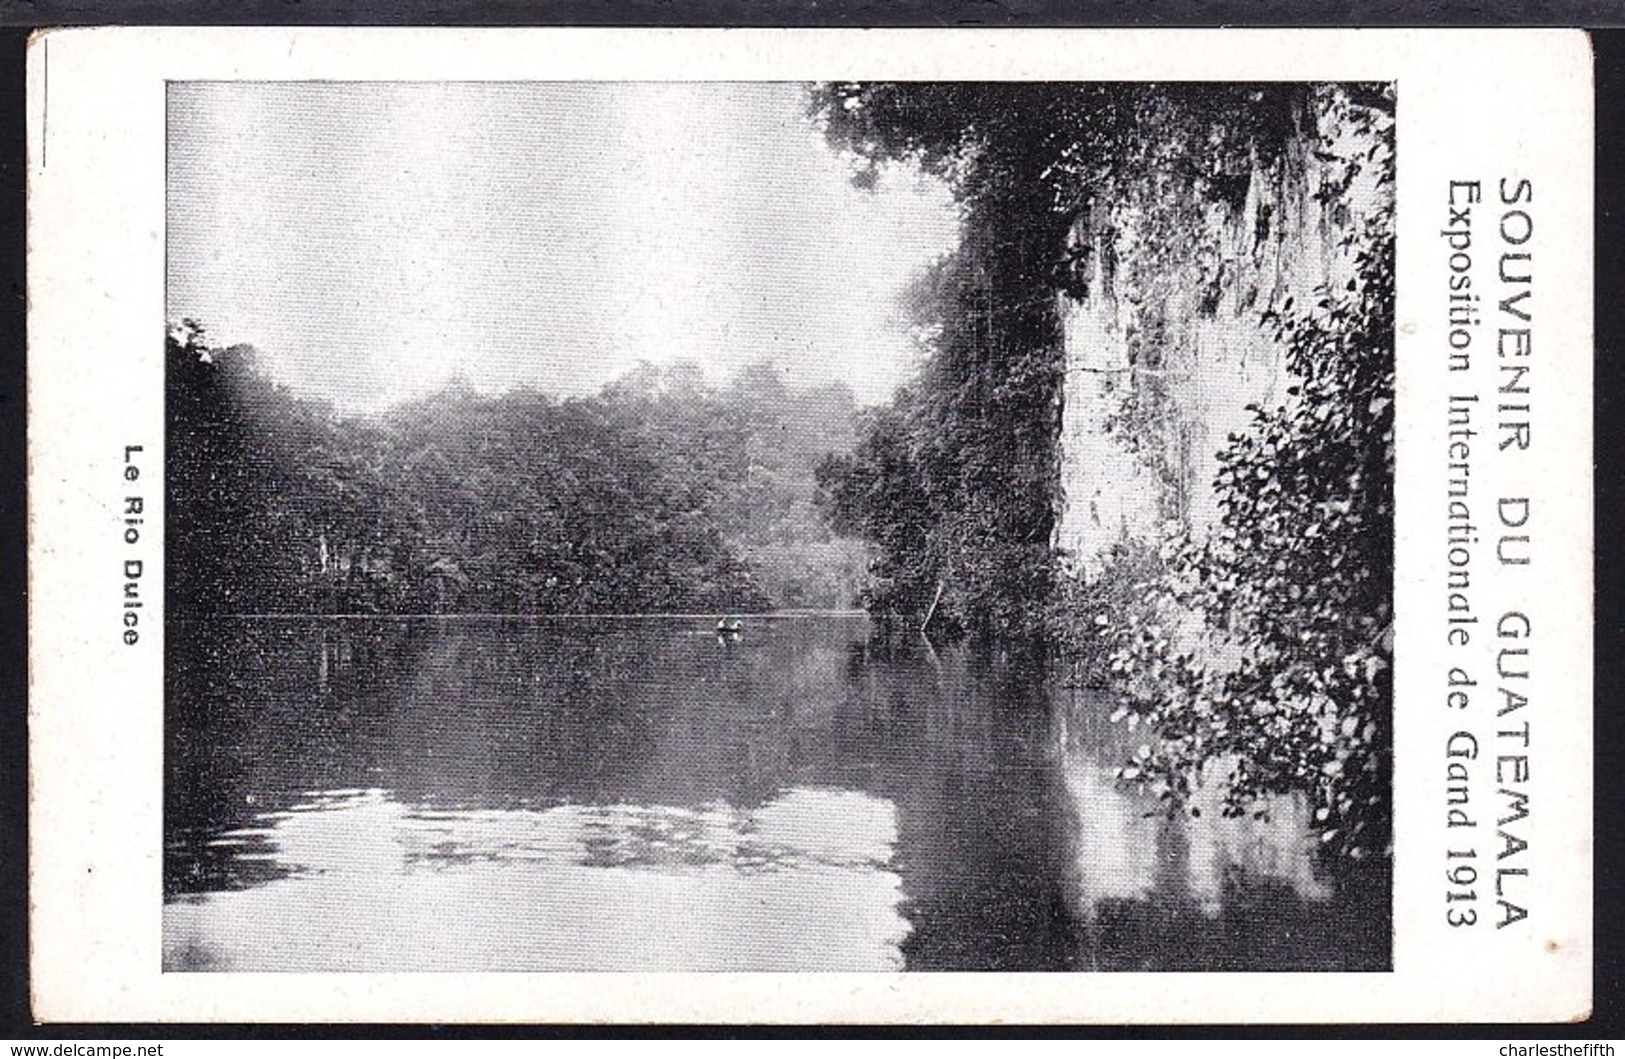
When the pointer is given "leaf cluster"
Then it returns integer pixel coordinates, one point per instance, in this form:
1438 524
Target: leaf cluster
1265 648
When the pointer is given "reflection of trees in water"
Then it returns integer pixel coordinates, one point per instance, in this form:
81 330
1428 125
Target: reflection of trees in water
255 714
487 714
1015 847
1209 892
199 861
963 746
1261 924
665 839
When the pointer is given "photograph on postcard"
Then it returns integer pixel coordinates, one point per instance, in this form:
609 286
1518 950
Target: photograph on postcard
774 525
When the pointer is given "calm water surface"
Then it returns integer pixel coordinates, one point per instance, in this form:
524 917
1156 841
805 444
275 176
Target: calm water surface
604 794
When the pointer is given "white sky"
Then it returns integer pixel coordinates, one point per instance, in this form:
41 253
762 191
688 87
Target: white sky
373 240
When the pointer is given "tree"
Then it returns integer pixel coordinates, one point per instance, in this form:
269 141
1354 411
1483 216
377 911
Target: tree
983 415
1266 647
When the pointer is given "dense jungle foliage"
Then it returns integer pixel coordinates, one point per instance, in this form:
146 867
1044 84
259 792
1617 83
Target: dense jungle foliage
1264 649
1260 652
957 480
660 493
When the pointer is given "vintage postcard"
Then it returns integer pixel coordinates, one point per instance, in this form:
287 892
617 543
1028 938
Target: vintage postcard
818 526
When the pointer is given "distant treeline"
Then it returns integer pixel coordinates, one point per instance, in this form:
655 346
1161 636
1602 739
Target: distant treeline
660 493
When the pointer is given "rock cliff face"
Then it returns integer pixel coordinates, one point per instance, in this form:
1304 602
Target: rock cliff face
1164 346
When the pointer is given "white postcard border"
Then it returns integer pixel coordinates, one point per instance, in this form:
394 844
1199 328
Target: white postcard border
1473 105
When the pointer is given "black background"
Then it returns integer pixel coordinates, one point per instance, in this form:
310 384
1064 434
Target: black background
1605 19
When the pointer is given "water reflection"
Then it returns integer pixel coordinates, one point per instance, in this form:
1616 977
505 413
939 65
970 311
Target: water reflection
377 884
459 795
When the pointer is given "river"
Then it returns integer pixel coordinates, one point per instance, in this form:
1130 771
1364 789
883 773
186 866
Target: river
390 794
